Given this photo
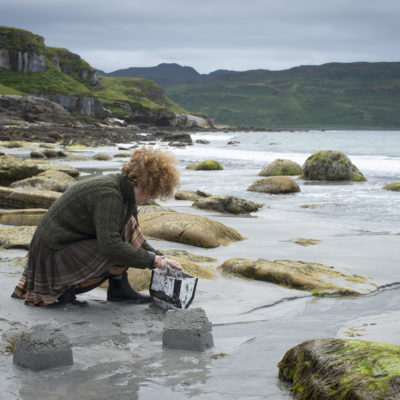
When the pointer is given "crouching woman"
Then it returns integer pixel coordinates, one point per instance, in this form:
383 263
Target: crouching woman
91 234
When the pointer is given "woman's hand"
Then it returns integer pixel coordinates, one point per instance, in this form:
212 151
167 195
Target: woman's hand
161 262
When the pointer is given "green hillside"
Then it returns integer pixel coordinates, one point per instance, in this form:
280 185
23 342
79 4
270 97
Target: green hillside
67 73
354 95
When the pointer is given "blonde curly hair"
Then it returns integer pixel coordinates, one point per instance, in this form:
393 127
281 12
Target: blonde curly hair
154 171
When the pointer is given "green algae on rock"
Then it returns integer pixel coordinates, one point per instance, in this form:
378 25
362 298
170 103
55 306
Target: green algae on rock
190 229
209 165
275 185
227 204
331 165
317 278
394 187
281 167
306 242
323 369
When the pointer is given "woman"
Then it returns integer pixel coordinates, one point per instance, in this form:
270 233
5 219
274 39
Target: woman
91 234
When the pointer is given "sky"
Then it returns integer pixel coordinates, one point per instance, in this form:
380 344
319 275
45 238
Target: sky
213 34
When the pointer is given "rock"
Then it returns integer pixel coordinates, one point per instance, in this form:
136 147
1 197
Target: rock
275 185
18 237
33 108
395 187
44 165
306 242
102 157
30 216
187 329
331 166
50 153
229 204
13 169
123 155
281 167
42 347
202 141
150 209
190 195
209 165
183 138
187 228
37 154
191 166
233 142
318 278
140 278
47 145
177 144
55 181
27 198
323 369
77 158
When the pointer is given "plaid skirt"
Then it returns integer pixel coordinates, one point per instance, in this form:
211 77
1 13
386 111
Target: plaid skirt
50 273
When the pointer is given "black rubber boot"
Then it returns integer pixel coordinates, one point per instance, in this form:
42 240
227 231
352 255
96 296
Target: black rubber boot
68 297
119 289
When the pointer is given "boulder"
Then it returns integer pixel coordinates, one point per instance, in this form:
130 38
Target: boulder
317 278
25 217
228 204
275 185
281 167
102 157
187 228
190 195
331 166
150 209
394 187
306 242
37 154
16 237
50 153
44 165
202 141
27 198
13 169
191 166
209 165
56 181
323 369
122 155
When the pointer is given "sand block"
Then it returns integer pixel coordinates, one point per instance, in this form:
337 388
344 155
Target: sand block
42 347
187 329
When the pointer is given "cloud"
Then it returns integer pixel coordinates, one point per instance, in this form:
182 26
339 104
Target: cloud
214 34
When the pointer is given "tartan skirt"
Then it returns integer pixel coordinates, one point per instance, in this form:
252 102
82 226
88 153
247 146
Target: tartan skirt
50 272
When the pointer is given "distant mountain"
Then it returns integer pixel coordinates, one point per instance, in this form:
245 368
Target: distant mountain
334 95
163 74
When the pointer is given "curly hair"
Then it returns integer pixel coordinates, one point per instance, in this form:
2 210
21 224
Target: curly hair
153 170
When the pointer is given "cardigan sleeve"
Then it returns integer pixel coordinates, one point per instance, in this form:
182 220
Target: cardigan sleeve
106 214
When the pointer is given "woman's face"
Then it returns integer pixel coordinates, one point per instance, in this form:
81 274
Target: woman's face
141 195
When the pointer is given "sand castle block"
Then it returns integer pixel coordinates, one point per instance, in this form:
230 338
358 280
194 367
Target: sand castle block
42 347
187 329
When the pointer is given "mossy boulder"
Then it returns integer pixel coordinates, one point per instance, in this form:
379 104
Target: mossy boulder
102 157
44 165
275 185
281 167
190 195
187 228
37 154
56 181
331 165
323 369
122 155
17 237
209 165
394 187
317 278
27 217
191 166
27 198
13 169
227 204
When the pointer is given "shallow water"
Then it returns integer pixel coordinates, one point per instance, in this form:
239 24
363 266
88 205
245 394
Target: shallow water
117 350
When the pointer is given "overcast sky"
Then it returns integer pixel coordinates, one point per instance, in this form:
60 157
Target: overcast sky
213 34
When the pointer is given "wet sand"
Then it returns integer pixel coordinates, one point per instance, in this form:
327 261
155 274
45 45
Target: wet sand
118 350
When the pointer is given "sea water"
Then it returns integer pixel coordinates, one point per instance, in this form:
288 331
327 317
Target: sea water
361 206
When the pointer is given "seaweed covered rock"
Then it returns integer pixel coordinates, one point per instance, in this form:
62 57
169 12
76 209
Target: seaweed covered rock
187 228
44 165
281 167
317 278
209 165
331 166
275 185
323 369
190 195
13 169
394 187
27 217
228 204
27 198
102 157
56 181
